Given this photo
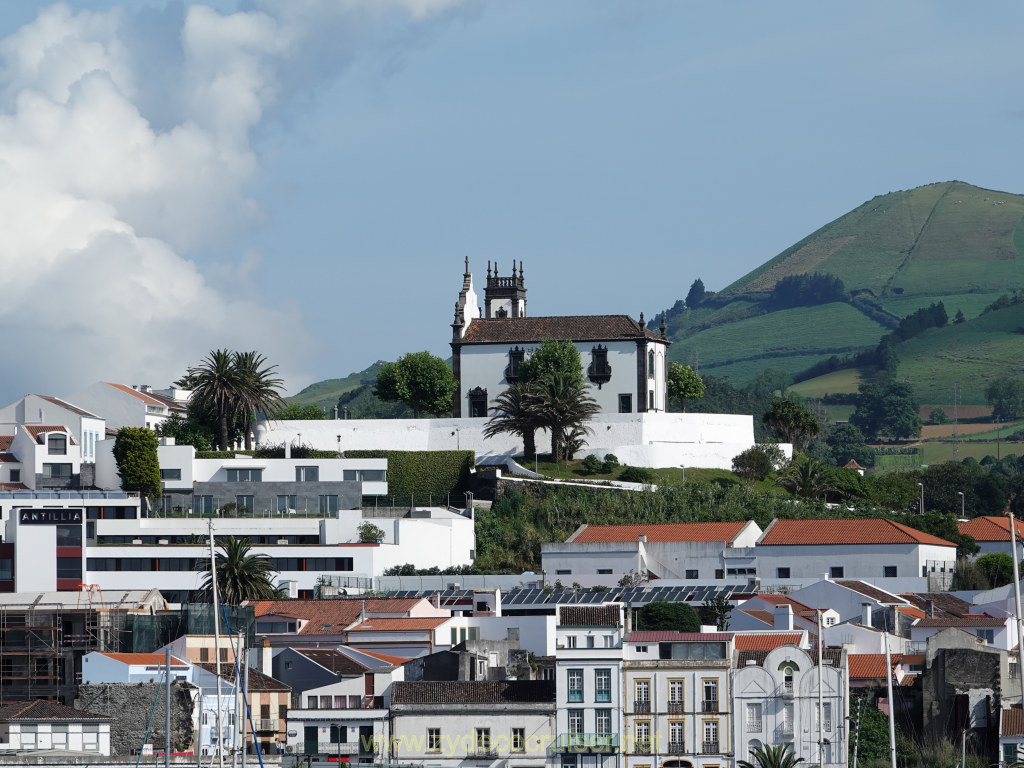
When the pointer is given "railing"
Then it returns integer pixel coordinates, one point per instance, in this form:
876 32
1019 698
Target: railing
482 751
266 725
677 747
642 707
643 747
754 726
785 730
676 707
709 748
339 747
709 705
587 742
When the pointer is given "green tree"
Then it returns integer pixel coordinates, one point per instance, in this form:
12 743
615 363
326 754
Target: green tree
888 409
959 318
135 452
261 390
846 442
753 465
296 412
563 407
806 477
871 738
218 384
370 532
241 574
668 617
945 527
997 567
696 294
790 422
194 429
1006 396
715 610
553 356
683 385
421 380
968 575
771 756
515 413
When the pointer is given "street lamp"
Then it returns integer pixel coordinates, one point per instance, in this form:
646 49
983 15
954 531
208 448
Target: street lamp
683 467
921 486
961 495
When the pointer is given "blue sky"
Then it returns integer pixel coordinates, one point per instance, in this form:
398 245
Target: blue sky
306 177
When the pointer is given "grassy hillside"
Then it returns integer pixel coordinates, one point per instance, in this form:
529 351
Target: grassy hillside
326 393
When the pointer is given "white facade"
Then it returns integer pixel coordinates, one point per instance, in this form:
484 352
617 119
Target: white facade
25 736
708 440
39 410
49 456
121 405
777 702
851 604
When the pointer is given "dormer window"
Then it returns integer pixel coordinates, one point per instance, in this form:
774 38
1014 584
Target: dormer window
516 355
599 371
57 445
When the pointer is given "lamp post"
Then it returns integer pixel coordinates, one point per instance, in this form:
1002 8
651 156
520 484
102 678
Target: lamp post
683 467
921 486
961 495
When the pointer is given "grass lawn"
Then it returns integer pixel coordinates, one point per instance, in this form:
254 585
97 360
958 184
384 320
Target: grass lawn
845 380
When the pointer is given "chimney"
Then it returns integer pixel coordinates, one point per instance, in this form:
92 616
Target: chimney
865 614
266 659
362 612
930 609
784 617
435 600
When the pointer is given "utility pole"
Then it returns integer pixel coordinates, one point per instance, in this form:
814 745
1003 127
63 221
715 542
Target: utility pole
856 730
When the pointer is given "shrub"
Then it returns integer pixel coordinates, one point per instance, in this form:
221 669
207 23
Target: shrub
611 463
753 465
592 464
370 532
637 475
422 474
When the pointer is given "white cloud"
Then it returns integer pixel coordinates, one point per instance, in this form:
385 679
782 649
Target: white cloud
103 201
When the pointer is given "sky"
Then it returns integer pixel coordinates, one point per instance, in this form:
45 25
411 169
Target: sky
305 177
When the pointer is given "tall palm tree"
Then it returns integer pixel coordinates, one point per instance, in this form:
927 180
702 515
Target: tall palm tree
218 384
515 413
778 756
562 406
241 574
806 477
260 389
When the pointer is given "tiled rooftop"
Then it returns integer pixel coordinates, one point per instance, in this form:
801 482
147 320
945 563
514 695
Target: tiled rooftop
529 330
990 529
590 616
473 692
844 531
659 532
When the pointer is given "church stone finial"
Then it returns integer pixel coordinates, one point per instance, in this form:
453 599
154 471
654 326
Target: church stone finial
642 325
488 268
467 265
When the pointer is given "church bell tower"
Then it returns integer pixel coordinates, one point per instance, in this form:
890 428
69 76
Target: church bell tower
505 296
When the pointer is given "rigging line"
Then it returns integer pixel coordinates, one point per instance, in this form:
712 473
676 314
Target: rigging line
156 699
238 676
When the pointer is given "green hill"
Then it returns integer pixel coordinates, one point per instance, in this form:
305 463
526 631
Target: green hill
326 393
948 242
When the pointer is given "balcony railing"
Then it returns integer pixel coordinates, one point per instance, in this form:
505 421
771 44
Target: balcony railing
787 689
642 707
676 707
677 747
642 747
587 742
785 730
266 724
480 750
754 726
339 747
709 705
709 748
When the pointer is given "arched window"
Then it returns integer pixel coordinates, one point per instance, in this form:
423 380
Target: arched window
650 364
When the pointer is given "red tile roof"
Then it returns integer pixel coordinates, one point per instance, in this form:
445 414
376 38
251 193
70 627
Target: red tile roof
677 637
68 406
844 531
400 625
330 616
257 680
1011 722
148 399
761 615
786 600
38 431
990 529
13 487
870 666
386 657
148 659
529 330
968 620
659 532
9 458
5 442
766 641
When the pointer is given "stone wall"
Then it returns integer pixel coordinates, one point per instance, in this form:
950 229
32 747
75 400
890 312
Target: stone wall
130 705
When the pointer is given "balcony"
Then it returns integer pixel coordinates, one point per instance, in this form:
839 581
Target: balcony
266 725
642 747
587 742
480 752
709 705
677 747
642 707
784 731
676 707
709 748
787 689
339 747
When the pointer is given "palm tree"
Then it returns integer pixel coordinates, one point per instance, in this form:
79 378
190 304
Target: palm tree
779 756
806 477
218 384
515 413
563 405
260 391
241 575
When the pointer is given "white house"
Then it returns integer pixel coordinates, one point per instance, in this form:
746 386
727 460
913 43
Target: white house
896 557
1011 736
43 456
460 723
625 364
698 552
124 406
86 428
776 701
588 675
853 600
997 631
992 534
38 727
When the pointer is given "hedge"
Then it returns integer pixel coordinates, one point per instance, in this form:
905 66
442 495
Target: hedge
421 474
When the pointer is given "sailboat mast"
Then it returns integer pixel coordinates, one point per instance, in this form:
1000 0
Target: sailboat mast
216 647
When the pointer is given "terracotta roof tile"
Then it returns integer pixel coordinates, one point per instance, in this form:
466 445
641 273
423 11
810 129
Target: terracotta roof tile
990 529
969 620
13 487
9 458
760 614
473 692
659 532
590 616
530 330
386 657
786 600
68 406
148 399
870 666
5 442
1011 722
38 431
944 601
257 680
45 710
149 659
766 641
418 624
844 531
330 616
647 636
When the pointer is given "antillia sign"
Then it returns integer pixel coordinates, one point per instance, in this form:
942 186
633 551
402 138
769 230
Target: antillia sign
49 516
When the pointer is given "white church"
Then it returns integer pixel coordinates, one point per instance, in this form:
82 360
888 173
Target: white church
625 366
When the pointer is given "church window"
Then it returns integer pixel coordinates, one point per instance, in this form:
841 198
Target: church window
625 403
650 364
502 312
599 371
516 355
477 403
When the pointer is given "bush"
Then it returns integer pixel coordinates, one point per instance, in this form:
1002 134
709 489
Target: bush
369 532
611 463
753 465
637 475
592 464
